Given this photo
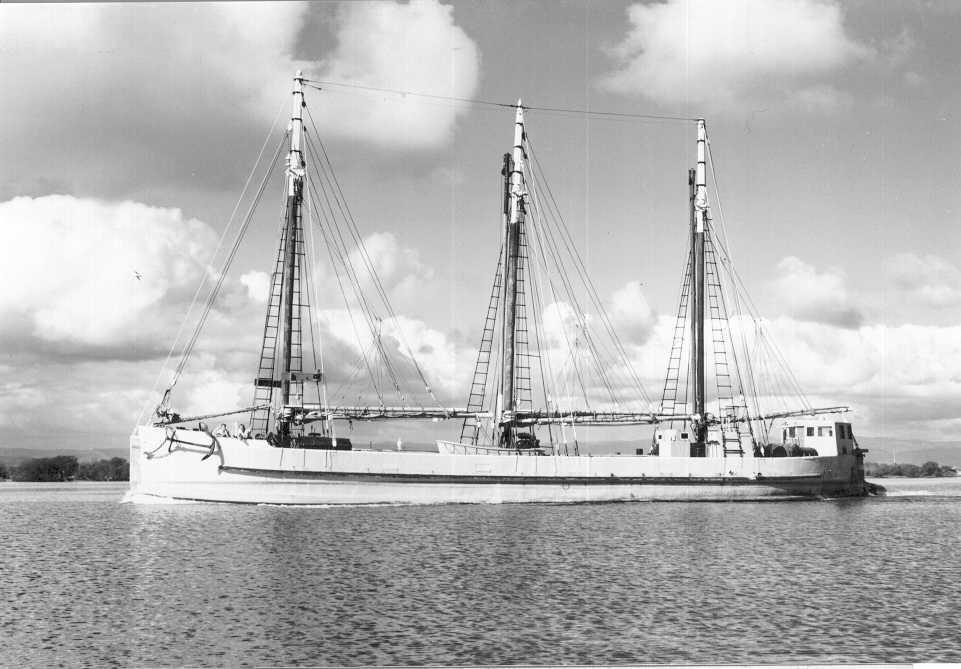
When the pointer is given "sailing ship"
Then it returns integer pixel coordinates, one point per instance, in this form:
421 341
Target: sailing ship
518 438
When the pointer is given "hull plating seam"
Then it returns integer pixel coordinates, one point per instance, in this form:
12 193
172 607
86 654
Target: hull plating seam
523 480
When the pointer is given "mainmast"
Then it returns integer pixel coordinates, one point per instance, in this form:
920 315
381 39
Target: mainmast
698 229
295 184
515 219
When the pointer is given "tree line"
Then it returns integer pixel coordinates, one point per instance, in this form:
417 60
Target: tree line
67 468
928 469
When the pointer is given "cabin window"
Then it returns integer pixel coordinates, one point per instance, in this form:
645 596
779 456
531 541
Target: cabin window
810 431
683 435
841 431
791 431
784 434
660 436
825 432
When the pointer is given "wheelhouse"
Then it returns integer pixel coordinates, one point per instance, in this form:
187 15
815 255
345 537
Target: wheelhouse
816 438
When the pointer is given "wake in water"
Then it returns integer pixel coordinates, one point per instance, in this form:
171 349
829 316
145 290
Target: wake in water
923 493
947 487
140 498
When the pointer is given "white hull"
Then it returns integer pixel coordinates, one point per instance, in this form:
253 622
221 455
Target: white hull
251 471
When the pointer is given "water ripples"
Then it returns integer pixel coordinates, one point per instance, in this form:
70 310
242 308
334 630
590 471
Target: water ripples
90 582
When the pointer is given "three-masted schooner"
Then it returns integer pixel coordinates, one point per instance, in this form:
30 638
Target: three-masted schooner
515 442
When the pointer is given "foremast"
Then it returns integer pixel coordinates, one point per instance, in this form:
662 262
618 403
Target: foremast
698 232
295 192
281 361
514 166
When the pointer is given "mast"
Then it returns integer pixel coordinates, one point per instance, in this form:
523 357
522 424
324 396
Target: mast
698 229
515 219
295 183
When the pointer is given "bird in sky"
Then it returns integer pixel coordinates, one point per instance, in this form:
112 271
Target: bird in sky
138 275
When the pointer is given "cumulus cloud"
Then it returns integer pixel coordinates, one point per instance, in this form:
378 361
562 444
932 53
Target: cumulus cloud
877 367
715 55
927 279
257 284
69 268
902 380
632 315
99 85
562 326
92 297
399 267
406 279
810 295
215 389
415 47
349 348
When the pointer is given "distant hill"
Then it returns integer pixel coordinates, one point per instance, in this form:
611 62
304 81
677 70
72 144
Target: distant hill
884 449
14 456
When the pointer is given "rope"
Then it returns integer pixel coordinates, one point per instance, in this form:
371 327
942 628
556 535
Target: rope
331 249
203 280
315 346
506 105
343 255
564 234
552 252
740 290
592 291
220 280
352 228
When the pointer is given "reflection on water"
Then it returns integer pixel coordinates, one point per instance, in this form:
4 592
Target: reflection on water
89 581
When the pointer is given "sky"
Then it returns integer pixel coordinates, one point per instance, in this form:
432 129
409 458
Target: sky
129 130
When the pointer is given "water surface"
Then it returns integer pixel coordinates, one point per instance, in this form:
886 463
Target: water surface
88 581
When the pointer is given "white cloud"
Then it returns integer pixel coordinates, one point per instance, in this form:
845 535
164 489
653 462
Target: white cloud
407 280
398 267
69 266
235 58
96 85
900 380
414 47
926 279
878 367
562 326
810 295
446 366
718 55
257 284
632 316
99 86
215 389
